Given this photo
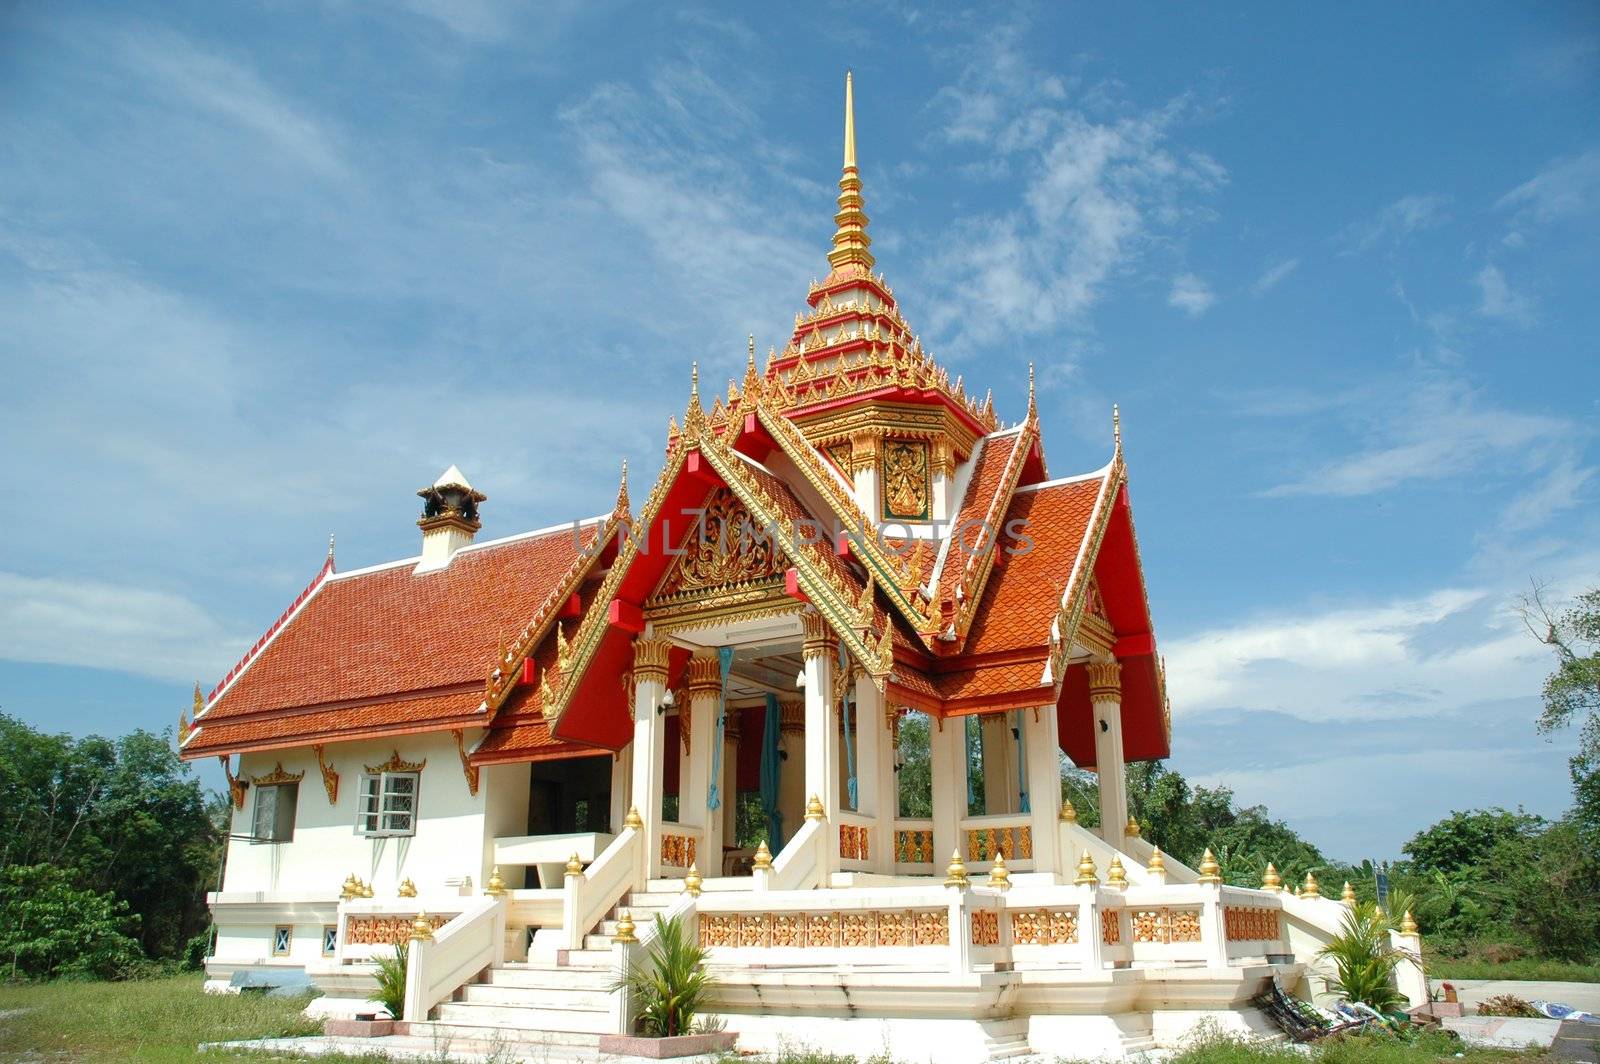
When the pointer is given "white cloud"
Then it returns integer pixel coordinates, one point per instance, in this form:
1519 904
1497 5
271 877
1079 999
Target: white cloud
1191 295
1497 299
92 624
1566 188
1397 221
1273 276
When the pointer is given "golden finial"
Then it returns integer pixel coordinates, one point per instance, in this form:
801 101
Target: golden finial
763 857
624 932
1348 894
814 810
574 866
850 240
407 888
1408 926
1033 410
1295 891
1309 888
330 546
1116 426
1116 875
999 875
1271 881
1069 812
422 928
1158 861
1131 829
694 381
350 888
1210 871
623 507
496 886
955 873
633 819
1086 871
199 701
849 118
692 881
366 889
750 363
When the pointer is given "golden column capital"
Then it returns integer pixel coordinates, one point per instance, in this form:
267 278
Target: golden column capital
703 676
650 660
1105 681
792 717
864 450
819 638
943 460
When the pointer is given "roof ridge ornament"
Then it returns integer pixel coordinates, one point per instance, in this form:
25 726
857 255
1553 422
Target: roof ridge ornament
1116 428
623 508
850 255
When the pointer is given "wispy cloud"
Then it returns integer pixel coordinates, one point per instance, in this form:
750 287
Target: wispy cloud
1396 222
1497 299
1565 188
1191 295
1273 276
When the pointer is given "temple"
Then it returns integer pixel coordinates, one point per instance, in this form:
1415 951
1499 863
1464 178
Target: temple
813 694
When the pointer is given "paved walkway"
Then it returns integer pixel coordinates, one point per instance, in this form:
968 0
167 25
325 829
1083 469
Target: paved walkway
416 1048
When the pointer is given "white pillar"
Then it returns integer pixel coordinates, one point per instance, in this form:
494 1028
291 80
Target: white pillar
864 450
1105 696
694 789
1042 745
649 735
731 738
875 783
822 732
621 774
948 757
792 777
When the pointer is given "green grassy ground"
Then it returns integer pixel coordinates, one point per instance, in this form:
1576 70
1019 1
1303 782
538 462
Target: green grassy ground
1544 971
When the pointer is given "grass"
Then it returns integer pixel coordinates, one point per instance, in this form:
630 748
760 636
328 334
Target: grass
1524 968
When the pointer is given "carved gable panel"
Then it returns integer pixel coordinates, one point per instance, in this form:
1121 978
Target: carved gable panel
907 487
728 553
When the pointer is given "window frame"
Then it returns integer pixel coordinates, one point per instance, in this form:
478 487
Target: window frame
373 812
281 830
330 939
287 931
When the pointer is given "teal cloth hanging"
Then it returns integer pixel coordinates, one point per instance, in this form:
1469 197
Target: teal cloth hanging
1022 764
849 742
725 660
772 773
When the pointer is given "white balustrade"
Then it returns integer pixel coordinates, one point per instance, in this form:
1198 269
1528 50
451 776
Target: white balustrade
457 952
587 898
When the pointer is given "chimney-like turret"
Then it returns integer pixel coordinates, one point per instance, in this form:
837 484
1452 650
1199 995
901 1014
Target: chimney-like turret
449 518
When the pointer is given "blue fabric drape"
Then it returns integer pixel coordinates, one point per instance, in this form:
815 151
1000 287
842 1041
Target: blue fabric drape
725 660
1022 764
772 773
849 740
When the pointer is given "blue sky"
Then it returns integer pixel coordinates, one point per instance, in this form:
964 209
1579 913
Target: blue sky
265 269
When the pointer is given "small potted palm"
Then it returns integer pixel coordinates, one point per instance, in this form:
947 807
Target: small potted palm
668 988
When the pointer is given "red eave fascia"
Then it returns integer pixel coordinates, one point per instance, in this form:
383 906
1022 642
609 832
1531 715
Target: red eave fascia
827 288
371 731
929 396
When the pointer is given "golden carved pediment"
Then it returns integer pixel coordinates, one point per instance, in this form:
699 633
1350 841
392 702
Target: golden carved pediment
729 553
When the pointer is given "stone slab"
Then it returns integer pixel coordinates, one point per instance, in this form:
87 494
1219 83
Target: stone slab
1504 1032
358 1028
688 1045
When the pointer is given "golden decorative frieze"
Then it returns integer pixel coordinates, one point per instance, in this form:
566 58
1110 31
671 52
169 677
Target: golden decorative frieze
907 487
913 846
1044 927
819 640
726 549
1110 927
864 450
1165 926
1014 843
468 769
330 778
398 764
677 850
855 842
386 930
985 927
1244 924
861 929
277 776
650 659
1105 681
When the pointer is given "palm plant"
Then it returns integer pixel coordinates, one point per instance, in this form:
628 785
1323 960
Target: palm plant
1364 960
671 984
392 979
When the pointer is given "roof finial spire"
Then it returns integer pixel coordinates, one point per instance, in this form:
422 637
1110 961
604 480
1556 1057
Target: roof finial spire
752 347
850 256
1116 427
330 546
1033 410
623 508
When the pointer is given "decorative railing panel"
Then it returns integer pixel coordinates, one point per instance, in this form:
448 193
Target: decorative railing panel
1244 924
1044 927
679 846
1010 836
833 929
1164 926
913 842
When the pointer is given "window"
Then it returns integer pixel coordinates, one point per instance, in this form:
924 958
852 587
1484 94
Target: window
274 813
281 936
388 804
330 939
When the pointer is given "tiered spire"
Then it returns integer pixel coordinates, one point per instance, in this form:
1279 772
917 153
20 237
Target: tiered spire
850 255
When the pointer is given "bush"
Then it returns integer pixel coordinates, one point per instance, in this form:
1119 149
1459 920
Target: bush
1364 960
392 979
671 984
49 928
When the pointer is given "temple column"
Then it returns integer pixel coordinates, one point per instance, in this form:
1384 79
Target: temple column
1000 781
792 777
621 773
1105 696
649 736
948 756
875 772
822 729
698 718
1043 749
942 467
864 451
731 737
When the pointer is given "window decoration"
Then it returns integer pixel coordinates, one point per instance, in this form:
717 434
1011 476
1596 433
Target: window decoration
330 939
273 816
907 490
468 769
277 776
236 786
330 778
388 803
282 936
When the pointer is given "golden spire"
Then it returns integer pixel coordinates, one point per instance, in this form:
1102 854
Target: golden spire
1210 871
1033 411
1116 427
623 507
850 241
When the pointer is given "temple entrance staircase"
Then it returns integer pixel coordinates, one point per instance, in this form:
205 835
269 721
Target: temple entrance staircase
559 1007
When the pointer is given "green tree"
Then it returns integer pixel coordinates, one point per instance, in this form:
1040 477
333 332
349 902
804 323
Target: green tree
1572 691
1463 841
51 926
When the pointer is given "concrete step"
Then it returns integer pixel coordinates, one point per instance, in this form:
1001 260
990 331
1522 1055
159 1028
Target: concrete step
523 1017
547 977
555 998
589 958
461 1035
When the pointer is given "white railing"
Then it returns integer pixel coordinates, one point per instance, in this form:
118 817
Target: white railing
587 898
1140 849
456 953
681 846
1010 834
802 864
855 841
1075 839
369 926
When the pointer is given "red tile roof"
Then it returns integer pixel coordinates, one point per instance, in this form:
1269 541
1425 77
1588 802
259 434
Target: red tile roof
390 648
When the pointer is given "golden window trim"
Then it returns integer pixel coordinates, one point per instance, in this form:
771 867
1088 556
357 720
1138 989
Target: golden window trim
277 777
397 764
